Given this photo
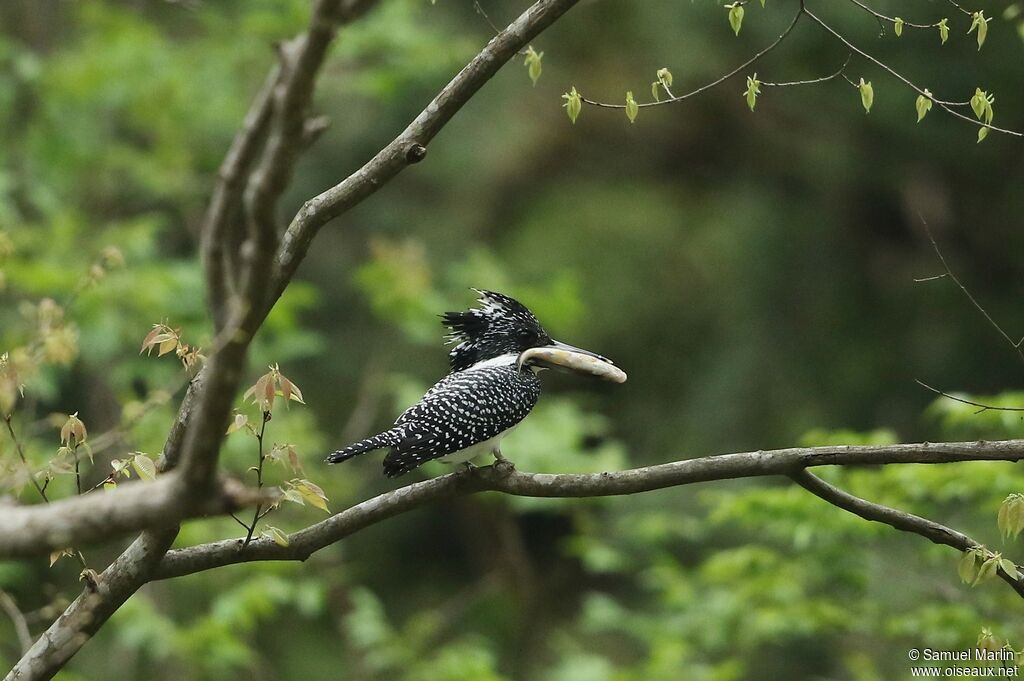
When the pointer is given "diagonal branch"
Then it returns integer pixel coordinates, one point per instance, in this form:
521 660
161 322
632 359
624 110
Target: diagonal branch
945 105
304 543
410 146
901 520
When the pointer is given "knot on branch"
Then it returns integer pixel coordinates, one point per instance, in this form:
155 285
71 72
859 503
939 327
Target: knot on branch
415 153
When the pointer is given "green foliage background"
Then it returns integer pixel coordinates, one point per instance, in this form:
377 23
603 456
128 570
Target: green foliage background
753 272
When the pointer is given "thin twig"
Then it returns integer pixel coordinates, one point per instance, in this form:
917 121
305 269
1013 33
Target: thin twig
1016 345
813 81
945 105
718 81
981 407
24 459
259 479
891 20
10 606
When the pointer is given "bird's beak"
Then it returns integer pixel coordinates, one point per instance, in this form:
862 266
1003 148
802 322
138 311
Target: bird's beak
558 345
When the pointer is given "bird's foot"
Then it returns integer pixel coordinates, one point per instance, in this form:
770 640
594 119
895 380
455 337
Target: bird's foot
503 466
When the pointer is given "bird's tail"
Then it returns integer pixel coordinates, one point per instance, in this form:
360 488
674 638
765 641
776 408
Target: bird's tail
388 438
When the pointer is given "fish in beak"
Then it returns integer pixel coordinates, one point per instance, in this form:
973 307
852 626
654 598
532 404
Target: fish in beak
578 360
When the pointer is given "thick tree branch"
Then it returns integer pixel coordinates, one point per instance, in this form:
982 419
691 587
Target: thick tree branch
304 543
93 607
197 433
410 146
30 530
901 520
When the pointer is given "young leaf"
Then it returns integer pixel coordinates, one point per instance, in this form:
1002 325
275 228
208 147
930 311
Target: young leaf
987 570
752 91
73 432
967 568
1009 568
736 16
655 87
275 534
978 102
665 77
978 21
533 63
573 104
311 493
867 95
237 423
289 390
944 31
982 134
923 105
762 3
144 467
897 27
631 107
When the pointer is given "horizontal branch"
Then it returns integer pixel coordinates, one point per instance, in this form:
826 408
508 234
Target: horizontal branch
29 530
304 543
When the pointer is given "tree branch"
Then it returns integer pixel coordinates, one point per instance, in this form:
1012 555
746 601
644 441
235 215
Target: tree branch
410 146
901 520
788 462
30 530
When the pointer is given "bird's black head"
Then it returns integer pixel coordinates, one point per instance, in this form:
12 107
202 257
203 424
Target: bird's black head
501 325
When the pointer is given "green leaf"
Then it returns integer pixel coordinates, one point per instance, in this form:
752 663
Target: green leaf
867 94
1009 568
982 134
923 105
897 26
967 568
762 3
978 102
573 104
655 87
752 91
944 30
987 570
631 107
144 467
736 17
275 534
978 21
533 63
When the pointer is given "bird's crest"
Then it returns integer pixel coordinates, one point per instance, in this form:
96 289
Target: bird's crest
499 326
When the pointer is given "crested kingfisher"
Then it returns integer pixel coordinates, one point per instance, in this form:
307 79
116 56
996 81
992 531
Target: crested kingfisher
491 386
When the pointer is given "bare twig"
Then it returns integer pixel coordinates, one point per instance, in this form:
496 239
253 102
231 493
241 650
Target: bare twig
901 520
10 607
1018 346
813 81
981 407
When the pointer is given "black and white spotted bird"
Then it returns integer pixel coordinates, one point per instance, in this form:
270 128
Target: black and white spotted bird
490 388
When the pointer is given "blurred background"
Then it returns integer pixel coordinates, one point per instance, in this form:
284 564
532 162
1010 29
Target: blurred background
752 272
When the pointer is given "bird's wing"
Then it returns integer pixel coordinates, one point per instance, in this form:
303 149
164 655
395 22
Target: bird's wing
462 410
